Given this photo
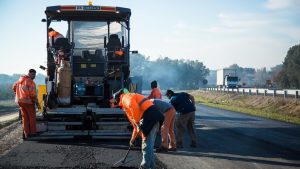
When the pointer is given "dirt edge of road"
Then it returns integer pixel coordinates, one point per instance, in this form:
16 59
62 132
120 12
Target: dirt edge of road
10 136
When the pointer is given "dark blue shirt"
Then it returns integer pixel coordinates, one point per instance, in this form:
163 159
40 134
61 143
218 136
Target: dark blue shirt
182 103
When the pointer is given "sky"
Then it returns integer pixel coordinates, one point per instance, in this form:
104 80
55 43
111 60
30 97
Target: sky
250 33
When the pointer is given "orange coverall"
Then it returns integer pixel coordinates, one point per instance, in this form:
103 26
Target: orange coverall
144 117
155 94
131 104
26 97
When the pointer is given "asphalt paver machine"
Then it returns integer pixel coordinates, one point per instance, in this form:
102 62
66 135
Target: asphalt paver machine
84 68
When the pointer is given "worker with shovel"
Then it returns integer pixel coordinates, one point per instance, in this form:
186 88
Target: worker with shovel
145 119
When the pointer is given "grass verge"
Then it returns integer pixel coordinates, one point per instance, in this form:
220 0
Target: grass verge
8 103
261 113
9 122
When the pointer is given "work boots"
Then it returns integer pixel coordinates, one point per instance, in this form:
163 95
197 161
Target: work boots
193 144
161 150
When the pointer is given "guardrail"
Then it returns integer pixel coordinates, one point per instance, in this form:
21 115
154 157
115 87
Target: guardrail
258 91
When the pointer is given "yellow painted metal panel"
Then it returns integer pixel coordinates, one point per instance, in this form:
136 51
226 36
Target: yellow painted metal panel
41 92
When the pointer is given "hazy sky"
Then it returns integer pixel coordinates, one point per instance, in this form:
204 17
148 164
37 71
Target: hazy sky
250 33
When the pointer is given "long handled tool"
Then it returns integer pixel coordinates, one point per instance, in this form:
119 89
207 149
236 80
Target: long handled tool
123 160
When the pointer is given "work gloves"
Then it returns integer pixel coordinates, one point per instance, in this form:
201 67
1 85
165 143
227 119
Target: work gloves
131 143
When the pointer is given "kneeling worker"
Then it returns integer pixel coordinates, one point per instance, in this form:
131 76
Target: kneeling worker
145 118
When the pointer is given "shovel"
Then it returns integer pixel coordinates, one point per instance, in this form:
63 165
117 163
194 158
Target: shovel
123 161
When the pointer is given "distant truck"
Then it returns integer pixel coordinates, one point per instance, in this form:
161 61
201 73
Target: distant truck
227 78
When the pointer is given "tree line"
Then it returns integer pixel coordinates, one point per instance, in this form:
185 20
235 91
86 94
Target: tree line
192 74
176 74
285 75
289 74
6 82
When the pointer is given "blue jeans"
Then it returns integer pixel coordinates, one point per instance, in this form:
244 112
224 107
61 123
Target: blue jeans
147 148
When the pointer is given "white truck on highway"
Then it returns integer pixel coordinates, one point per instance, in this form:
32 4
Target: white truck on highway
227 78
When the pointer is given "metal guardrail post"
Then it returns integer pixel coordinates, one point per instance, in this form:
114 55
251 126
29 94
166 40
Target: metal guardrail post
265 93
284 94
243 91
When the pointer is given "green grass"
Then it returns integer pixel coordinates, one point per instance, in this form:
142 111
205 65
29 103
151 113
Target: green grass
8 103
9 122
8 106
269 113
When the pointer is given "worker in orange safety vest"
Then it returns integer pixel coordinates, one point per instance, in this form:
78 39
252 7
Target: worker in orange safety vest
53 35
25 92
155 92
145 119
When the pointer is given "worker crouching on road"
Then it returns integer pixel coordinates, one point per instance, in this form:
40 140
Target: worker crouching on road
25 91
167 129
145 119
184 104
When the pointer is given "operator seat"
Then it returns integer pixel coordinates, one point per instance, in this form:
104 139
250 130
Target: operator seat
113 44
62 43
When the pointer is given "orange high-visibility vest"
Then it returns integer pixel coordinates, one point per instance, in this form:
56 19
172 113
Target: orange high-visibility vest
25 90
155 94
54 35
134 106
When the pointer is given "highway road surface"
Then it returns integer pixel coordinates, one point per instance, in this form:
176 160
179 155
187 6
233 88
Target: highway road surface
225 140
234 140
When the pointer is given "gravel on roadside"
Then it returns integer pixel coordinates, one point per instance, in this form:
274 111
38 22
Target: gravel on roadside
10 136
